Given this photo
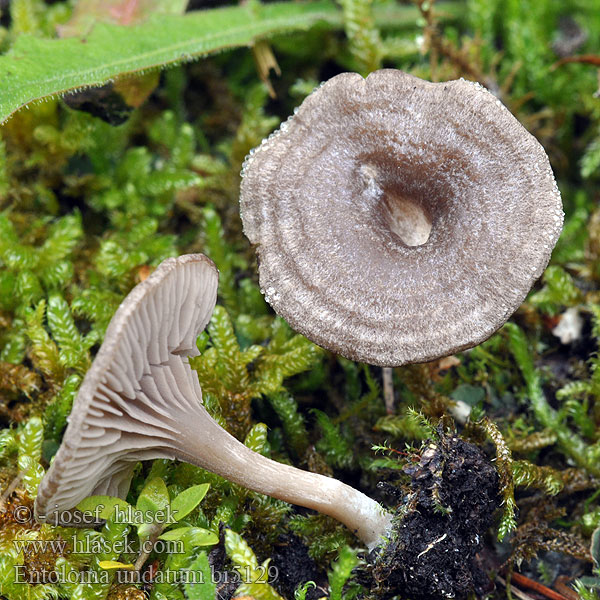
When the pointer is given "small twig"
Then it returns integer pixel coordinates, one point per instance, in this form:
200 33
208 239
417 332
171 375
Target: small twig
388 389
561 586
439 46
589 59
147 547
9 490
265 63
513 590
536 586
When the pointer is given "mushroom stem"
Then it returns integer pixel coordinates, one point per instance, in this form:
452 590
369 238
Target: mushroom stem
388 389
214 449
157 529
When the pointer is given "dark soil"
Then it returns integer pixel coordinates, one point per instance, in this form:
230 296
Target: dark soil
294 567
228 580
439 528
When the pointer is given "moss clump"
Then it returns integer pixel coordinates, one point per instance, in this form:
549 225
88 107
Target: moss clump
440 526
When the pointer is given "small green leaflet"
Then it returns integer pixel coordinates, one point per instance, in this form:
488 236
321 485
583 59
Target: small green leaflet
184 503
154 497
196 535
102 507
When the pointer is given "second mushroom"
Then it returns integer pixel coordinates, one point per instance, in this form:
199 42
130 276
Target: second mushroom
398 220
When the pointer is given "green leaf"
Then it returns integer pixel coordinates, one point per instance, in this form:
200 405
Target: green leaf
56 413
3 170
543 477
254 576
154 496
342 568
336 449
586 588
62 325
223 256
256 439
412 425
63 237
595 548
107 504
197 535
293 422
559 290
205 590
175 534
470 394
187 500
590 162
30 452
109 51
571 443
28 287
364 41
31 438
44 352
8 443
301 591
240 554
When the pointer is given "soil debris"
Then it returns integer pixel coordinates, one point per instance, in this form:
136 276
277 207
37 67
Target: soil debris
440 526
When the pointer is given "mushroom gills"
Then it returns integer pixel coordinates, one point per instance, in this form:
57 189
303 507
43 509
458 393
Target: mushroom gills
150 407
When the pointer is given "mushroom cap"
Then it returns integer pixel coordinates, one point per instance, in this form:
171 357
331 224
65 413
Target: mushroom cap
398 220
138 390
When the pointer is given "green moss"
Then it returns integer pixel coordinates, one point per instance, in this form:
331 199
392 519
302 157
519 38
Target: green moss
88 209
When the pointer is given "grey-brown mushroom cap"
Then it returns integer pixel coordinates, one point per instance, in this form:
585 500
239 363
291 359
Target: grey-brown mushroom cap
139 389
398 220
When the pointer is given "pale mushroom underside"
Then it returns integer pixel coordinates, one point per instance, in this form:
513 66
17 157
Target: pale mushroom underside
141 400
131 402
